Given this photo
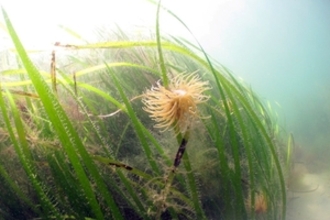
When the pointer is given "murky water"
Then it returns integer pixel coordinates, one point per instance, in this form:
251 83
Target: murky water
281 49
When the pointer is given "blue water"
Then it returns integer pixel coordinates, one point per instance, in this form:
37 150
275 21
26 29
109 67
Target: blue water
282 49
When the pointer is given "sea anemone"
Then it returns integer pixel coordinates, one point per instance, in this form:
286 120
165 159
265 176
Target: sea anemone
260 206
175 106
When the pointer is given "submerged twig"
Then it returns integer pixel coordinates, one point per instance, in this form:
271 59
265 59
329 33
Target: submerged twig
53 72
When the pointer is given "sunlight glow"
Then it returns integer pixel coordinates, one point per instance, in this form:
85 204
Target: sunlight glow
37 21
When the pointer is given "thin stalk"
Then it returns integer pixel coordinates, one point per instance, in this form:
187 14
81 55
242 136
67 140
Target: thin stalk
159 48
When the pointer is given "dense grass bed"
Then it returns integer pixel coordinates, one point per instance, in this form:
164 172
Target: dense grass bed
80 141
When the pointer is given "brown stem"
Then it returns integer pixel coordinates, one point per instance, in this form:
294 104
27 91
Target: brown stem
180 152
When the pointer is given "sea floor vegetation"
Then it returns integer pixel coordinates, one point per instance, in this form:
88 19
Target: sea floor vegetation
135 129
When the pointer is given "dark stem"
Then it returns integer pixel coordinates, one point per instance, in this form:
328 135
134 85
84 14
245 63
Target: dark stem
53 72
180 152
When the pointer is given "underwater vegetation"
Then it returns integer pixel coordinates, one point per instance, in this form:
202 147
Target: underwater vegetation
126 129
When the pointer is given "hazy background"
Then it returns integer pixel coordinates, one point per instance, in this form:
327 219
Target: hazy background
281 48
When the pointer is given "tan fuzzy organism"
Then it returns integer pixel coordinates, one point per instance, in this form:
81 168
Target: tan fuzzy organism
176 105
260 204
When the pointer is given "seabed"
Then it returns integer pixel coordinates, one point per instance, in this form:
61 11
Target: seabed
312 204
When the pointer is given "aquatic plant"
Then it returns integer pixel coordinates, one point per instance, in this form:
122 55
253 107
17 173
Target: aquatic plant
260 207
88 146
